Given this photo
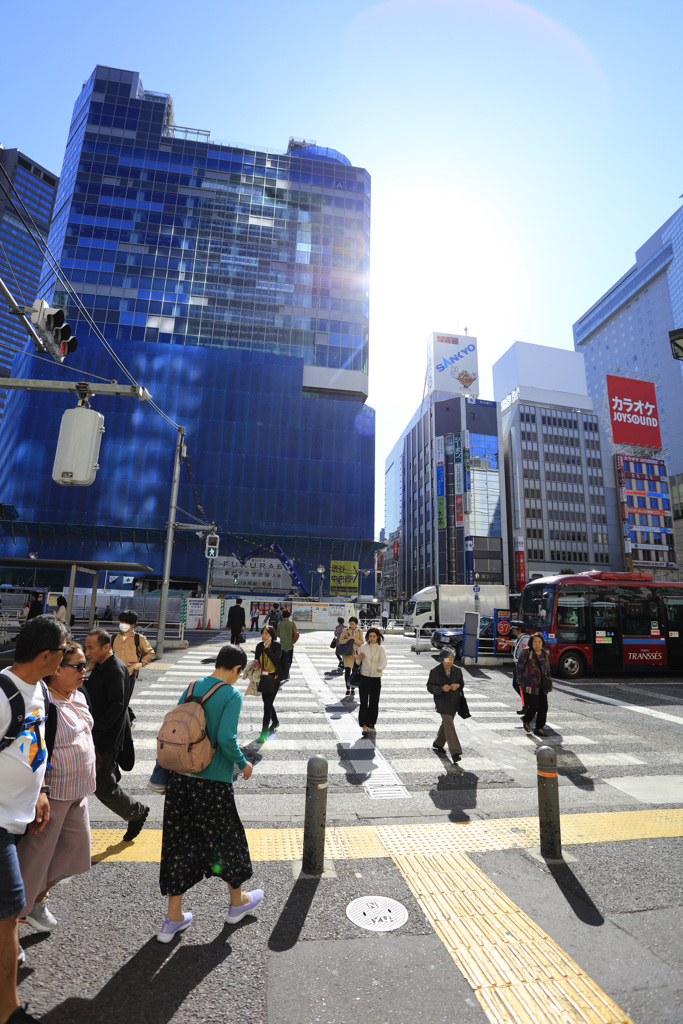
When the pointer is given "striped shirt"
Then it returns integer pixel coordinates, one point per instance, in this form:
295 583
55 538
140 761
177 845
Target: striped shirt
73 757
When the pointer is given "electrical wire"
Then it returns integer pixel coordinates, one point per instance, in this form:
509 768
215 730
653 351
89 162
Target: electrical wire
53 263
11 270
68 366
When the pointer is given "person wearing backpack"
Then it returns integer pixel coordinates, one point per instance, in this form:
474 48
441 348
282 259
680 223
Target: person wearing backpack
38 652
274 617
131 647
203 836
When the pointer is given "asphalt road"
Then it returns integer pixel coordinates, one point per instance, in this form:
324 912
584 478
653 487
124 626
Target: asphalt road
615 906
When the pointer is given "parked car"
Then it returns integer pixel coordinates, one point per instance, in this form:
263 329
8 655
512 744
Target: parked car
451 636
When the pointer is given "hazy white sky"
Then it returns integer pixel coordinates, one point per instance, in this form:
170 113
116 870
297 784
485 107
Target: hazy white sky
519 153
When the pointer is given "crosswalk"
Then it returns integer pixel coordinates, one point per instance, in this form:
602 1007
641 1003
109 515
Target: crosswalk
315 720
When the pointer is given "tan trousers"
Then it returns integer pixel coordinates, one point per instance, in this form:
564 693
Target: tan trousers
448 735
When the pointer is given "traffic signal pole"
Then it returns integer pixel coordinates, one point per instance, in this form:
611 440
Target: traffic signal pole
170 537
19 313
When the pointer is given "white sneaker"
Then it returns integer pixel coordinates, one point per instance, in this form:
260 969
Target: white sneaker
40 917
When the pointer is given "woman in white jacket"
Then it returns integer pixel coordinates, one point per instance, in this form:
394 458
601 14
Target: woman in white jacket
372 659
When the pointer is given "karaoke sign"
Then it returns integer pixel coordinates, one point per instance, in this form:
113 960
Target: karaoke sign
633 412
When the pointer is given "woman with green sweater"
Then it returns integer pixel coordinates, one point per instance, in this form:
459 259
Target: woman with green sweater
202 832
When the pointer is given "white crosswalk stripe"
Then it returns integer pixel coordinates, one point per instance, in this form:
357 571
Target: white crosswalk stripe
315 719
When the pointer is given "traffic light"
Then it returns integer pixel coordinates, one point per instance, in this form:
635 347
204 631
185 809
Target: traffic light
212 542
49 322
235 577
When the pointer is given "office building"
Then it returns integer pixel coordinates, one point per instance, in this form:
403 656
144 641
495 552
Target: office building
626 332
22 181
233 284
452 499
562 503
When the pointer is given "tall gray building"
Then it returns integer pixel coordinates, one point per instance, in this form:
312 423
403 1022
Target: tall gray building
561 496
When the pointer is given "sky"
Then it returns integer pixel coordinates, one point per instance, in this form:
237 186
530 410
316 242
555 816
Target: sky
519 153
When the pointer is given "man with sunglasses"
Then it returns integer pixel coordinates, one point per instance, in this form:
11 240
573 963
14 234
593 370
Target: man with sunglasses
39 650
109 689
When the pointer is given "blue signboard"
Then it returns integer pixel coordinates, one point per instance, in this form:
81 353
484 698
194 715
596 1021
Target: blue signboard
440 481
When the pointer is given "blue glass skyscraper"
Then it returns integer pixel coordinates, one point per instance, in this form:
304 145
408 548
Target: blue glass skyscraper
233 284
20 259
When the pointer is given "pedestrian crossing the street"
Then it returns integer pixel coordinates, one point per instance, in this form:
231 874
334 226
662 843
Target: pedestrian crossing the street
315 719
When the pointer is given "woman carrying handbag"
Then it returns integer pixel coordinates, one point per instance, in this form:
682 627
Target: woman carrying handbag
269 657
350 642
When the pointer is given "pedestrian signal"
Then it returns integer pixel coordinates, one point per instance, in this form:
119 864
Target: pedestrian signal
212 542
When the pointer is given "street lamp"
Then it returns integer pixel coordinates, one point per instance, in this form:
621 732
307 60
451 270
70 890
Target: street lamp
676 342
321 571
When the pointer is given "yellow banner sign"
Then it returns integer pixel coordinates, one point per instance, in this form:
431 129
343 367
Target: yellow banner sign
343 577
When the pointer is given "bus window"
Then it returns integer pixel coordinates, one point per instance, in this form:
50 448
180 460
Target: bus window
572 615
536 606
673 602
639 611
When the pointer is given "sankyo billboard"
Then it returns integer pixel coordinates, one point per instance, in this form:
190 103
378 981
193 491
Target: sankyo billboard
452 364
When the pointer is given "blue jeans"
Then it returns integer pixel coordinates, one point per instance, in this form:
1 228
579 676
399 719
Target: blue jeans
159 776
11 885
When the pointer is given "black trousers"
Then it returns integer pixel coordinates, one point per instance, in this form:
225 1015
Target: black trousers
235 635
108 791
286 661
269 712
535 705
368 694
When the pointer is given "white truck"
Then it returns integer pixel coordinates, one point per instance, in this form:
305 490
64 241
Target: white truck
445 604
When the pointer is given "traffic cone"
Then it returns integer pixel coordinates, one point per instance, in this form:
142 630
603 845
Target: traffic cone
208 625
199 624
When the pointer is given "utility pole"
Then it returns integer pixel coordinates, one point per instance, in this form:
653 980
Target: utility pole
170 537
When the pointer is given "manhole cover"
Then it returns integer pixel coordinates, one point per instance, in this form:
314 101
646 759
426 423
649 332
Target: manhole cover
377 913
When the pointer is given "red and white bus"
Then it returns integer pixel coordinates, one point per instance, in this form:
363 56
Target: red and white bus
607 622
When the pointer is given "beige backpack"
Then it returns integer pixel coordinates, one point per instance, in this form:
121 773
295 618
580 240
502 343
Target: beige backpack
183 744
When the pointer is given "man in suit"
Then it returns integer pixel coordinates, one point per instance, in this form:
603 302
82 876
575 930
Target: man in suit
109 689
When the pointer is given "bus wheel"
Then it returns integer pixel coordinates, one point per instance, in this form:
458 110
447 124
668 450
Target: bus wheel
572 665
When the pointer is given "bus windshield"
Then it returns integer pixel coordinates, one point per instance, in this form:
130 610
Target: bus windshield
536 606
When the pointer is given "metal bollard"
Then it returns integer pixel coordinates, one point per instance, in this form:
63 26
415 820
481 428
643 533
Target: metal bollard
548 803
315 816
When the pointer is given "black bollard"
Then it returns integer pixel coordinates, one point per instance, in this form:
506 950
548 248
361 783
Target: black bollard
315 816
548 803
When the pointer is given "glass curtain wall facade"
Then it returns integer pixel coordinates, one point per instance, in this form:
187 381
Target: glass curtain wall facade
452 491
20 259
233 284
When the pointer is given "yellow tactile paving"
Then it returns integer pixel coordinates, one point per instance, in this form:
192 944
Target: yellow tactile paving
364 841
519 975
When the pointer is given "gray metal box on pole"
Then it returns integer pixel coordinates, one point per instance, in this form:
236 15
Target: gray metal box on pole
78 447
316 816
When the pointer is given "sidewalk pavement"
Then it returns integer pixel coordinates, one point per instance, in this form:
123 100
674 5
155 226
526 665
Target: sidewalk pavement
494 934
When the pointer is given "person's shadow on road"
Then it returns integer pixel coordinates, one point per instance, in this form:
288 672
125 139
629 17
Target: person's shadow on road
147 988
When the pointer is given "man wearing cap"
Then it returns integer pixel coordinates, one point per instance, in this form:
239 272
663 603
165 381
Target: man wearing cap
446 684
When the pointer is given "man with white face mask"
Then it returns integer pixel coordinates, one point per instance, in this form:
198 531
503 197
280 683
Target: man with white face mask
131 647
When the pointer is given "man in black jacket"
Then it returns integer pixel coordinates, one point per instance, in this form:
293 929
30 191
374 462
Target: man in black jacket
446 684
109 691
236 621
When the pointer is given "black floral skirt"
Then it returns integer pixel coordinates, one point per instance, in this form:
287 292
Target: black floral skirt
203 835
